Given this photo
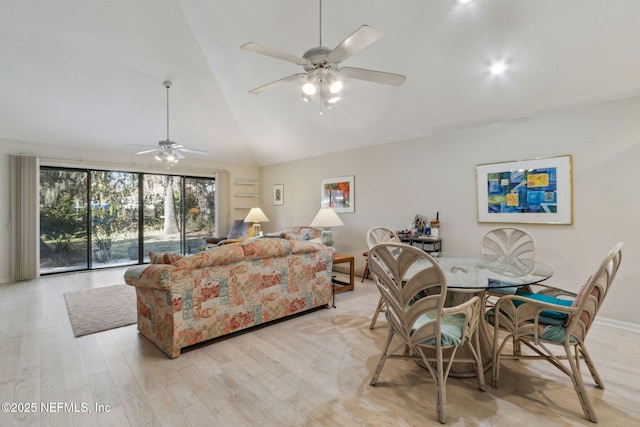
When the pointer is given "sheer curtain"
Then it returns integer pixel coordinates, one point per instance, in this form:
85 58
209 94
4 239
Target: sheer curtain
25 221
222 203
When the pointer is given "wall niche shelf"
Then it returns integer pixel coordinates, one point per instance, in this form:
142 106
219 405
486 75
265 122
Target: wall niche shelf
243 181
247 195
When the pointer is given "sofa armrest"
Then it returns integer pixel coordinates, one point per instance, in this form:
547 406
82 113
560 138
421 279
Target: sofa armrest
154 276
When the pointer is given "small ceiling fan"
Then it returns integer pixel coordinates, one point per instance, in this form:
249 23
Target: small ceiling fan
322 65
169 151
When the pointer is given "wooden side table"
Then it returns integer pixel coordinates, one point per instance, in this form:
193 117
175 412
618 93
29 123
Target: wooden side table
339 285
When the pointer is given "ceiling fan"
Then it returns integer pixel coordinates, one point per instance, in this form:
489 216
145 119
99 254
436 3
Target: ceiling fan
322 65
169 151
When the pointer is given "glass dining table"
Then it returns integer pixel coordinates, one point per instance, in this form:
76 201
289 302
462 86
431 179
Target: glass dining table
471 274
477 273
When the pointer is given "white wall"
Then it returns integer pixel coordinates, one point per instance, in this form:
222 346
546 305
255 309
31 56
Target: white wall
396 181
79 158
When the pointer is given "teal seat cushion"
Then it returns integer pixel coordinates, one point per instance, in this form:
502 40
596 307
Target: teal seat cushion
450 327
552 316
511 290
556 333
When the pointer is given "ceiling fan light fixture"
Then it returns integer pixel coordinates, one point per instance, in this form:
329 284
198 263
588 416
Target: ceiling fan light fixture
335 84
309 89
329 99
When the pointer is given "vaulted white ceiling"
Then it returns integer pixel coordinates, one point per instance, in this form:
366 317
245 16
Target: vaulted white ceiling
89 73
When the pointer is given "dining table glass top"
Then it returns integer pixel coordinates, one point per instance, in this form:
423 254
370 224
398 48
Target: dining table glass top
475 272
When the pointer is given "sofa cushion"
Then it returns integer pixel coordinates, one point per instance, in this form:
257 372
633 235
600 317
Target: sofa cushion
264 248
219 255
168 258
301 233
306 246
276 235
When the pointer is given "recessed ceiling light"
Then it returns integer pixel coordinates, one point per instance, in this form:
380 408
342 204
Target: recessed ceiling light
464 1
498 67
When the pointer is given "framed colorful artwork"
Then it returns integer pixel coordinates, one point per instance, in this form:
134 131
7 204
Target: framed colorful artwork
338 193
527 191
278 194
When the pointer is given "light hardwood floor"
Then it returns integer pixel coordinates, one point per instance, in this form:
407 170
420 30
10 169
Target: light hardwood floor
312 370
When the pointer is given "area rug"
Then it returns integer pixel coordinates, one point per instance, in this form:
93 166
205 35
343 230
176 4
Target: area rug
100 309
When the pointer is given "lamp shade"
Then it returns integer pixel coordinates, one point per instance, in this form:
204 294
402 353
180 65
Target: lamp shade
326 217
256 215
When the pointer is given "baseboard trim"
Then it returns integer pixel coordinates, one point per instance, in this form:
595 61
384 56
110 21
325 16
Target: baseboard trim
628 326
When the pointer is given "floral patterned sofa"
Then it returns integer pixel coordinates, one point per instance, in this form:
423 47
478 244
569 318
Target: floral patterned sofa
229 288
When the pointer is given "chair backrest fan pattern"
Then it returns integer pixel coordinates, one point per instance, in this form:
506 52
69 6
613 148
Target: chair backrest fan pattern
381 234
390 267
591 296
509 241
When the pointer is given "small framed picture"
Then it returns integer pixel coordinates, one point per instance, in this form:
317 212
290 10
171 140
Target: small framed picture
278 194
338 193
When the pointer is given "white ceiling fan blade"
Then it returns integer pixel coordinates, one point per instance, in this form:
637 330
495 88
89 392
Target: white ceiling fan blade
372 76
141 145
361 38
149 151
189 150
274 53
178 154
271 85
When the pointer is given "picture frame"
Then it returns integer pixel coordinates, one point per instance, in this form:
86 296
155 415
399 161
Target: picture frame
278 194
338 193
535 191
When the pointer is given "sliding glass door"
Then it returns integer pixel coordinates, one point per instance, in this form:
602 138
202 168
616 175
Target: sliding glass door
63 220
93 219
114 217
199 213
162 197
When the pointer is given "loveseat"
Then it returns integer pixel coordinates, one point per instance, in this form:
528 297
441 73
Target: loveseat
228 288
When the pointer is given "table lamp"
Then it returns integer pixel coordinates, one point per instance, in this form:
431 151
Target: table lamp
327 218
256 216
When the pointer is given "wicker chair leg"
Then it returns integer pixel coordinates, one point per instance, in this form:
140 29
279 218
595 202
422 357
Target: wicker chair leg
475 352
383 358
379 308
517 348
592 368
365 274
495 362
441 389
578 385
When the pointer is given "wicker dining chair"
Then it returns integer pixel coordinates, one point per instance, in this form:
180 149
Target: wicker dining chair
512 242
416 314
374 236
536 320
